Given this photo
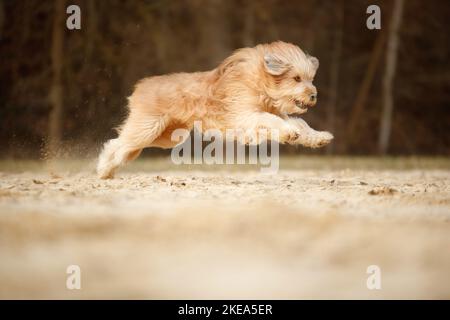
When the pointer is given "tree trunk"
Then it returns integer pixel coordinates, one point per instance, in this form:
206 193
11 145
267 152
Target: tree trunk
2 18
363 92
334 70
215 31
388 79
162 39
56 90
248 36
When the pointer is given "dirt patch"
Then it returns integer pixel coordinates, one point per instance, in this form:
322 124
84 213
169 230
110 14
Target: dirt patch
170 233
382 191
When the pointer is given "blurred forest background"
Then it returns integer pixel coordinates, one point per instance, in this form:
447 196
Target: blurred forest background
380 91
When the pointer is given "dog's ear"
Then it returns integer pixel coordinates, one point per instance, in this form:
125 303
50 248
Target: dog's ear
274 65
314 61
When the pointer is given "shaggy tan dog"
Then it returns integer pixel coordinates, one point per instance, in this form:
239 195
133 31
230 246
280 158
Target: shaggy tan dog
254 88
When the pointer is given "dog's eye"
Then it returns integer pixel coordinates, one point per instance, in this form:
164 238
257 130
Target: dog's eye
297 78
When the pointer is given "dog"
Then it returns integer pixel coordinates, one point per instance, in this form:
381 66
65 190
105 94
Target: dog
255 88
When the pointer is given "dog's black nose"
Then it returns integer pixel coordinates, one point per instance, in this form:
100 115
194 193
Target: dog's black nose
313 97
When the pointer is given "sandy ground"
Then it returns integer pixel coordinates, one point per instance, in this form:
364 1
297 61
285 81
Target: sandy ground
156 231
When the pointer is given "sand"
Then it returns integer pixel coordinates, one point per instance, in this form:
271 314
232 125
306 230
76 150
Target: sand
156 231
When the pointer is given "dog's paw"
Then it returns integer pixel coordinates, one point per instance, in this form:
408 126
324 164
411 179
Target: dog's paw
103 174
104 171
321 139
290 136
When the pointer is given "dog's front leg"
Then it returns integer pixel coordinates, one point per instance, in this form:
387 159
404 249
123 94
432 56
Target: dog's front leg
308 136
254 122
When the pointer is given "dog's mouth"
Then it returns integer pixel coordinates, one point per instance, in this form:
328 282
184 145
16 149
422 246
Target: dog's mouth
303 107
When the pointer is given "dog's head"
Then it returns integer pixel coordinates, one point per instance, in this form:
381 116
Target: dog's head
288 74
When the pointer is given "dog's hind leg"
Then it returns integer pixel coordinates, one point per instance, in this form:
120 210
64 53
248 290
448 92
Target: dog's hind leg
105 165
136 134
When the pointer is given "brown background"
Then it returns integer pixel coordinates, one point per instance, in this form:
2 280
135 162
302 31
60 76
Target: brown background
123 41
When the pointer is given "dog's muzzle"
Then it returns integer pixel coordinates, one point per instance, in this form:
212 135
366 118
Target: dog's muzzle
305 105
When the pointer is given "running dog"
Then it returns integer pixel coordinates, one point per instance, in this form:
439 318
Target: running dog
262 87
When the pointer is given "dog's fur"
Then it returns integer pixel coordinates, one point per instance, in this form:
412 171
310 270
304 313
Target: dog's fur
253 88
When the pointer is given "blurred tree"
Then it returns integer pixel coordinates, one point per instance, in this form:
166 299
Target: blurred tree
364 90
248 32
215 30
389 74
56 89
2 18
338 10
